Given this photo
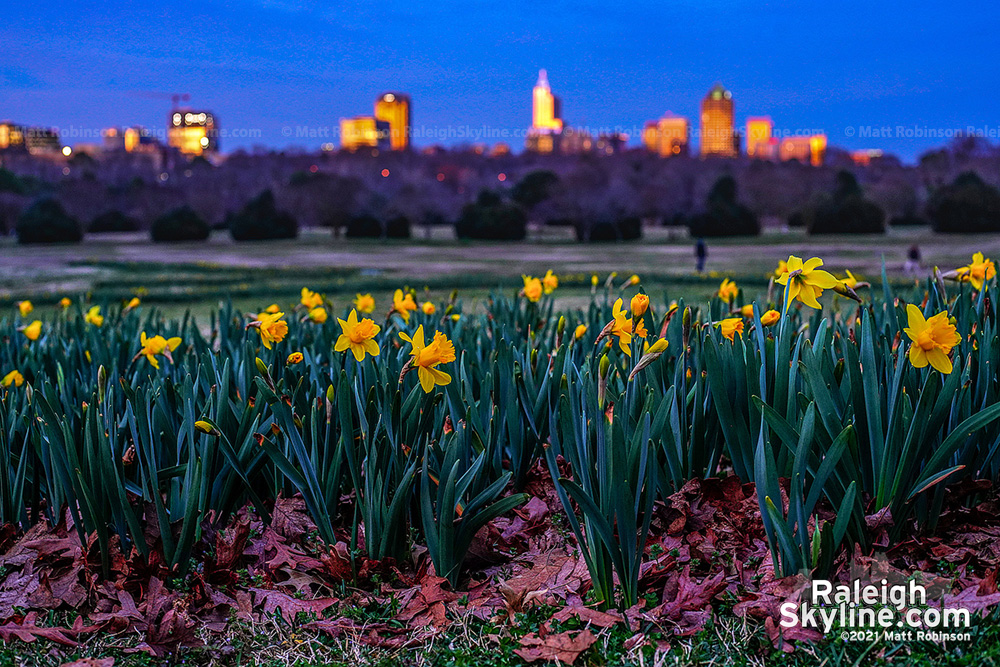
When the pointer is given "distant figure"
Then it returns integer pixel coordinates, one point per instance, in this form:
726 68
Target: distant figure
700 253
912 266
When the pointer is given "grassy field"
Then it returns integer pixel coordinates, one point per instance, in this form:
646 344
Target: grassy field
195 276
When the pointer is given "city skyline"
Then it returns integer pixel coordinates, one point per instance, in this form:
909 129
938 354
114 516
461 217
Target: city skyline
919 74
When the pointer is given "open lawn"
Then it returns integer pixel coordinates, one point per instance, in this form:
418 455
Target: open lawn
197 275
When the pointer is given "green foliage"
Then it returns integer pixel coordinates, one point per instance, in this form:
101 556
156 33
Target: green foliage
180 224
260 220
45 221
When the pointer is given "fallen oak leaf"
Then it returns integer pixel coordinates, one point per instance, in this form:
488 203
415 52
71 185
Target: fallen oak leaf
28 632
564 647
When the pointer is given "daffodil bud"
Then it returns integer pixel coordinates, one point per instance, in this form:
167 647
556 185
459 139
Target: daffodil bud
561 325
102 383
602 379
261 367
206 427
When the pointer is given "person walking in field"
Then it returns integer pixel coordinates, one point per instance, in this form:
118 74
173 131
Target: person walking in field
700 254
912 265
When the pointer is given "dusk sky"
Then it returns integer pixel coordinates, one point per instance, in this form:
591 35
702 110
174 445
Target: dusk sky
264 66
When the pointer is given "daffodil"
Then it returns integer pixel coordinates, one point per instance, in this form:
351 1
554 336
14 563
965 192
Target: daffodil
12 378
455 317
805 280
133 303
294 358
728 290
358 336
94 316
730 327
318 315
271 327
428 307
621 327
782 268
273 308
639 305
65 303
155 346
533 289
364 303
770 317
580 331
25 308
978 271
310 299
550 282
33 330
747 310
426 358
403 304
932 338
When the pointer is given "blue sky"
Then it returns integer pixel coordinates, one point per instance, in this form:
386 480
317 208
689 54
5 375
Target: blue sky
288 70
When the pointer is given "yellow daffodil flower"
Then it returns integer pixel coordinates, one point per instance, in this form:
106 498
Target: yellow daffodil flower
310 299
12 378
272 309
805 280
533 289
580 331
977 272
932 339
550 282
318 315
33 330
271 327
25 308
294 358
358 336
428 307
730 327
728 290
770 317
403 304
65 303
364 303
94 316
621 327
747 310
639 305
132 304
426 358
157 345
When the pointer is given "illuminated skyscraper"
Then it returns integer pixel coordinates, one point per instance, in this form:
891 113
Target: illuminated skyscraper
545 108
718 135
667 136
394 108
759 132
193 132
364 132
806 149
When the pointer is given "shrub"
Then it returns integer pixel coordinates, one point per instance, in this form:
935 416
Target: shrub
180 224
534 188
261 220
724 216
363 226
622 229
45 221
397 227
969 205
113 221
490 218
10 182
848 212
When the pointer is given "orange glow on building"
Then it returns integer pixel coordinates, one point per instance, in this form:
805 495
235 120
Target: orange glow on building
394 108
667 136
363 132
718 135
807 149
864 157
193 132
759 132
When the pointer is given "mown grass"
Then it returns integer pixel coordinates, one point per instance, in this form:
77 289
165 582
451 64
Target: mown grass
726 640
